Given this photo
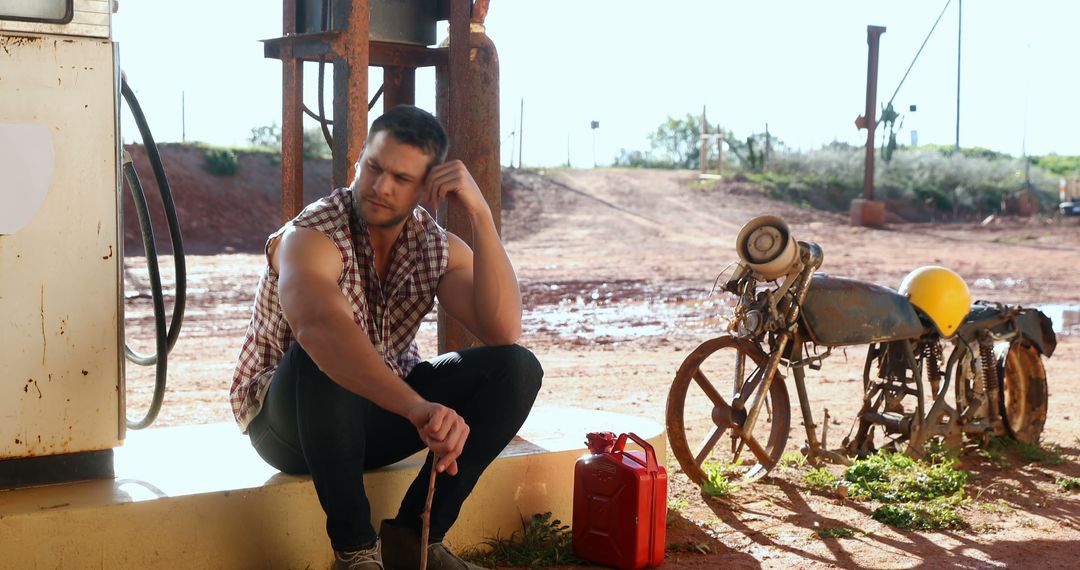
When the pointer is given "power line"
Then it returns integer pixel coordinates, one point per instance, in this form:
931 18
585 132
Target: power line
916 58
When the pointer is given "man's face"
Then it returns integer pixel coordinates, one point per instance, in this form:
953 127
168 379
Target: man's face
389 180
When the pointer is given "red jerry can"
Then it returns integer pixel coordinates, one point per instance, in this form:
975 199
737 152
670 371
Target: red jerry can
620 504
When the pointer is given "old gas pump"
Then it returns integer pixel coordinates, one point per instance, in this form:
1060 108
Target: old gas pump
61 290
61 393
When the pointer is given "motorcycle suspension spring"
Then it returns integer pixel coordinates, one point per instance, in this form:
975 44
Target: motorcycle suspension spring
932 357
990 375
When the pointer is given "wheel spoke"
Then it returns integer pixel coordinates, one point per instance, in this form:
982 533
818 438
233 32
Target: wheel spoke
708 388
758 451
708 444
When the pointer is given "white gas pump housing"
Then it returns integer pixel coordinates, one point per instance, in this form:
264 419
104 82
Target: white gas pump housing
61 313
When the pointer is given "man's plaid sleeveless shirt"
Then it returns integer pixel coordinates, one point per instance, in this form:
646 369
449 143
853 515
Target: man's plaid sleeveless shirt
390 312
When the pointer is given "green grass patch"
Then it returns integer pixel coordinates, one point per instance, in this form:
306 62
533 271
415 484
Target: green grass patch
995 454
999 507
896 478
1068 483
720 478
838 532
999 447
916 495
1032 452
675 509
541 542
936 514
792 459
821 479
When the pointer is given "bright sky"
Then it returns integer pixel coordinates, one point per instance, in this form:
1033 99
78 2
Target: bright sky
798 66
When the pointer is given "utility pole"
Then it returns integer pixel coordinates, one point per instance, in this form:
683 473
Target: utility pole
595 125
704 153
866 211
521 133
513 141
959 29
568 150
183 117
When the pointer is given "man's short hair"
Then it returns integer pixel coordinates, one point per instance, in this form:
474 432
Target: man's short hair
415 127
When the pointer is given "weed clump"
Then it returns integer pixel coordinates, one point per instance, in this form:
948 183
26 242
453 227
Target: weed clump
1068 483
820 479
792 459
916 495
837 532
720 478
1051 454
936 514
541 542
896 478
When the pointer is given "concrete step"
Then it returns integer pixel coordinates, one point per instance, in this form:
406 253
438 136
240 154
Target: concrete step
200 497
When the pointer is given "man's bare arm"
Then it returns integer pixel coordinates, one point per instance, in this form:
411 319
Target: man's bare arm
321 319
479 288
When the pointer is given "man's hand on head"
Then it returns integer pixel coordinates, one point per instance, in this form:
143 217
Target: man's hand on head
451 181
443 431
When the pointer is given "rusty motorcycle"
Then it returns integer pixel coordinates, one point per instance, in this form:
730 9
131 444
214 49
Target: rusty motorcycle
730 393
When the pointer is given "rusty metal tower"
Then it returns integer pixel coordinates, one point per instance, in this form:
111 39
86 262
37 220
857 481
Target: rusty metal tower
354 35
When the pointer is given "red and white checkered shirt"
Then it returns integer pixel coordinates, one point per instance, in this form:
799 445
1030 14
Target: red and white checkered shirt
389 313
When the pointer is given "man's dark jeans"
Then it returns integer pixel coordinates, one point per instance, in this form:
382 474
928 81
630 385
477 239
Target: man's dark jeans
310 424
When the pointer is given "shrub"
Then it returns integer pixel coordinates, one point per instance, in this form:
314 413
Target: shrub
221 162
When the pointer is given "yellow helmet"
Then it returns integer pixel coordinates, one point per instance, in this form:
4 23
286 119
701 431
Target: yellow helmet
941 294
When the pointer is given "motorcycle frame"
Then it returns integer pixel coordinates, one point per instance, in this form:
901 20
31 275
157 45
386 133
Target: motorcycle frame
782 333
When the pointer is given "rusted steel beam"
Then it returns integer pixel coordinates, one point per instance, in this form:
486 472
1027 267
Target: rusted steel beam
292 144
480 10
350 86
385 54
399 86
292 138
288 18
467 93
308 47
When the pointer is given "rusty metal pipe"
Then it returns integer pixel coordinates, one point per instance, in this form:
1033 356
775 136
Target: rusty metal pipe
467 96
873 40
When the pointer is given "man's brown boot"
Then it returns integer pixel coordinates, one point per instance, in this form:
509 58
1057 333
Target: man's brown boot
401 551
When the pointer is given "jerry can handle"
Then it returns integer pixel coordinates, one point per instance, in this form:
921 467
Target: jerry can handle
650 454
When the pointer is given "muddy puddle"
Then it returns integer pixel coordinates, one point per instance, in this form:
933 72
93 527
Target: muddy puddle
609 312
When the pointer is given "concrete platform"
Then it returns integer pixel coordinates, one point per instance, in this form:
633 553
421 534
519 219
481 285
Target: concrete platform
199 497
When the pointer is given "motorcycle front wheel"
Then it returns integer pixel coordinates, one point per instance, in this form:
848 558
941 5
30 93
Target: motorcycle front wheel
702 407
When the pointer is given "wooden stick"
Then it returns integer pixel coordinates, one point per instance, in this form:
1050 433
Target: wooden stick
426 517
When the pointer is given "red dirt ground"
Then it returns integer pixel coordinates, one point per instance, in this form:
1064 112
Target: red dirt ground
617 267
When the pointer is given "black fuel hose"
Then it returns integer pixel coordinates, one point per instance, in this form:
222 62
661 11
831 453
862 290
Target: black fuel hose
165 338
161 337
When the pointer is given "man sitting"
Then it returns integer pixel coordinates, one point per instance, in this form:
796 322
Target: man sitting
329 380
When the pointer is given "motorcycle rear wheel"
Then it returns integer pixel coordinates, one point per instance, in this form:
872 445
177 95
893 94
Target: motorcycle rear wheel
1023 389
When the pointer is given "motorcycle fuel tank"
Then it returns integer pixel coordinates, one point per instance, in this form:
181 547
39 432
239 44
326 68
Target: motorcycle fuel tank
843 312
